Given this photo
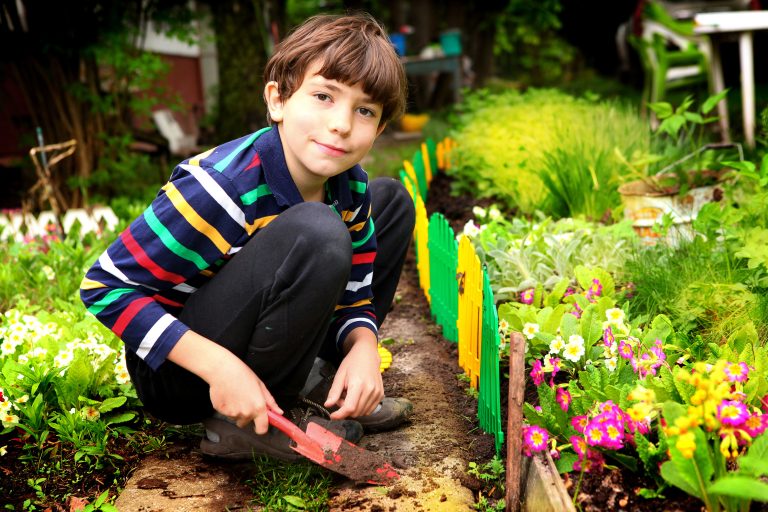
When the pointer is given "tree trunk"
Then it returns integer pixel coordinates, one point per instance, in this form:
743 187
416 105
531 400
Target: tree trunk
241 47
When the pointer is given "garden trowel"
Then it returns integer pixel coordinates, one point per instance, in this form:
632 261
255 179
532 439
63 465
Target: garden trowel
336 453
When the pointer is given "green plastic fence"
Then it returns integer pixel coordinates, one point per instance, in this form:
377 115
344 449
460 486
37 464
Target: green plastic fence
444 288
432 150
418 166
489 400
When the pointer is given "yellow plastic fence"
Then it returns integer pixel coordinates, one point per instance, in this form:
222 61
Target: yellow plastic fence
422 239
469 272
411 173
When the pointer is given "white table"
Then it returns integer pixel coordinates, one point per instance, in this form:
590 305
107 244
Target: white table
743 24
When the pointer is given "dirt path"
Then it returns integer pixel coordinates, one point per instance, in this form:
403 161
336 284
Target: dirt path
433 449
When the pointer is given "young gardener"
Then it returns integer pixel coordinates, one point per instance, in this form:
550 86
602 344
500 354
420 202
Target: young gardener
261 254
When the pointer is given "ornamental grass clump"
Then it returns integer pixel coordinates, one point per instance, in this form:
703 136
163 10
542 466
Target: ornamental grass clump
544 150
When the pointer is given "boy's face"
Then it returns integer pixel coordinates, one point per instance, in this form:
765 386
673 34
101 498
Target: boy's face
326 127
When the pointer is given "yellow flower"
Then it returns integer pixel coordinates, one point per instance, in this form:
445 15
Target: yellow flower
686 443
3 450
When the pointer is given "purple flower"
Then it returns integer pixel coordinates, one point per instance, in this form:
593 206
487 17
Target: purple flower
732 412
608 337
737 372
535 439
563 397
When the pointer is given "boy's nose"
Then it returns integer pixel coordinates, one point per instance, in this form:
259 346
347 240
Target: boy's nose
339 122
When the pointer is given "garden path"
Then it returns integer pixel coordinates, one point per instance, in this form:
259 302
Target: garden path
433 449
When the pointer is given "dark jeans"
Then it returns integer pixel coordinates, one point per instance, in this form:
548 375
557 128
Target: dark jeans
271 305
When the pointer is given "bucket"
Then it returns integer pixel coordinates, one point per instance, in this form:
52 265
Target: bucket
646 208
450 41
398 41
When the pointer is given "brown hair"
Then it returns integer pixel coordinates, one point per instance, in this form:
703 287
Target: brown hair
353 49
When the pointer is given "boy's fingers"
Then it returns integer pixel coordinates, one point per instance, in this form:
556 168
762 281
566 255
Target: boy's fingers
334 394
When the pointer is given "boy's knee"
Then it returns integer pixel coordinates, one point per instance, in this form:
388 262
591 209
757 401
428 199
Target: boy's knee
322 235
392 193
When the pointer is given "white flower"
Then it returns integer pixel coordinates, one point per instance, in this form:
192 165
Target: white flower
23 358
530 330
9 419
574 349
49 273
556 345
479 211
503 326
3 450
610 363
5 406
470 229
494 213
7 348
615 315
24 399
62 359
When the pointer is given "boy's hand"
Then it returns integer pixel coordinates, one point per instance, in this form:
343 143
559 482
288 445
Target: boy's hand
359 376
236 392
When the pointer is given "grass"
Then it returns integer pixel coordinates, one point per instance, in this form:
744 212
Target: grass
279 486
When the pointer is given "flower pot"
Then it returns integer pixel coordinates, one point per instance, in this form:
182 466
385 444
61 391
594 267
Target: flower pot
646 203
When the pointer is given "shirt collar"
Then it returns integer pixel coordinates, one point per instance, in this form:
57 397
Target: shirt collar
270 150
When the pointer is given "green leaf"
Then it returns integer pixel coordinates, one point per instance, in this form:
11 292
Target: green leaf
662 109
296 502
101 499
120 418
111 403
740 487
682 480
712 101
566 461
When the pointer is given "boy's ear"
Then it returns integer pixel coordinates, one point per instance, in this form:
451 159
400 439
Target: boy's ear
381 129
273 101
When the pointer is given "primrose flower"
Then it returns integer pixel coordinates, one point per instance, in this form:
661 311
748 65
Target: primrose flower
615 315
526 296
686 443
574 349
3 450
577 311
608 337
535 439
536 373
611 364
49 273
63 358
614 435
625 349
732 412
756 424
471 229
503 326
556 345
579 423
479 211
8 419
530 330
594 434
563 397
736 372
494 213
90 413
595 289
7 347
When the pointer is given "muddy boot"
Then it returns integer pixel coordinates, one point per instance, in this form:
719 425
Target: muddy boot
225 440
389 414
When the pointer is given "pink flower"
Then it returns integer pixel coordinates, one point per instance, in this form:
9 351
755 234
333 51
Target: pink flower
594 433
614 435
756 424
732 412
535 439
576 310
536 373
579 445
569 291
526 296
563 397
625 349
608 337
579 423
737 372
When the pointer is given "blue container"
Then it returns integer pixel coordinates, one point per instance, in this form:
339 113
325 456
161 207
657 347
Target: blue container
450 40
398 41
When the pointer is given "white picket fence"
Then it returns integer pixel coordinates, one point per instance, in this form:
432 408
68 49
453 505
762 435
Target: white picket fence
16 225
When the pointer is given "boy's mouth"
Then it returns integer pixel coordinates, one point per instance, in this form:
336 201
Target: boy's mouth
331 150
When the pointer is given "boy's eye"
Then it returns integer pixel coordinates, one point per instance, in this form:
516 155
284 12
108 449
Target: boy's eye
322 96
367 112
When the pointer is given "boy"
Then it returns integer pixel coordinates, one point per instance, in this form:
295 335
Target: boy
261 254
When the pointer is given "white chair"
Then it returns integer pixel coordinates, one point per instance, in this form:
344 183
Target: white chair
179 142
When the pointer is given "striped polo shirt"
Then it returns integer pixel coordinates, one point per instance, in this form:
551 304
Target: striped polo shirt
209 209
